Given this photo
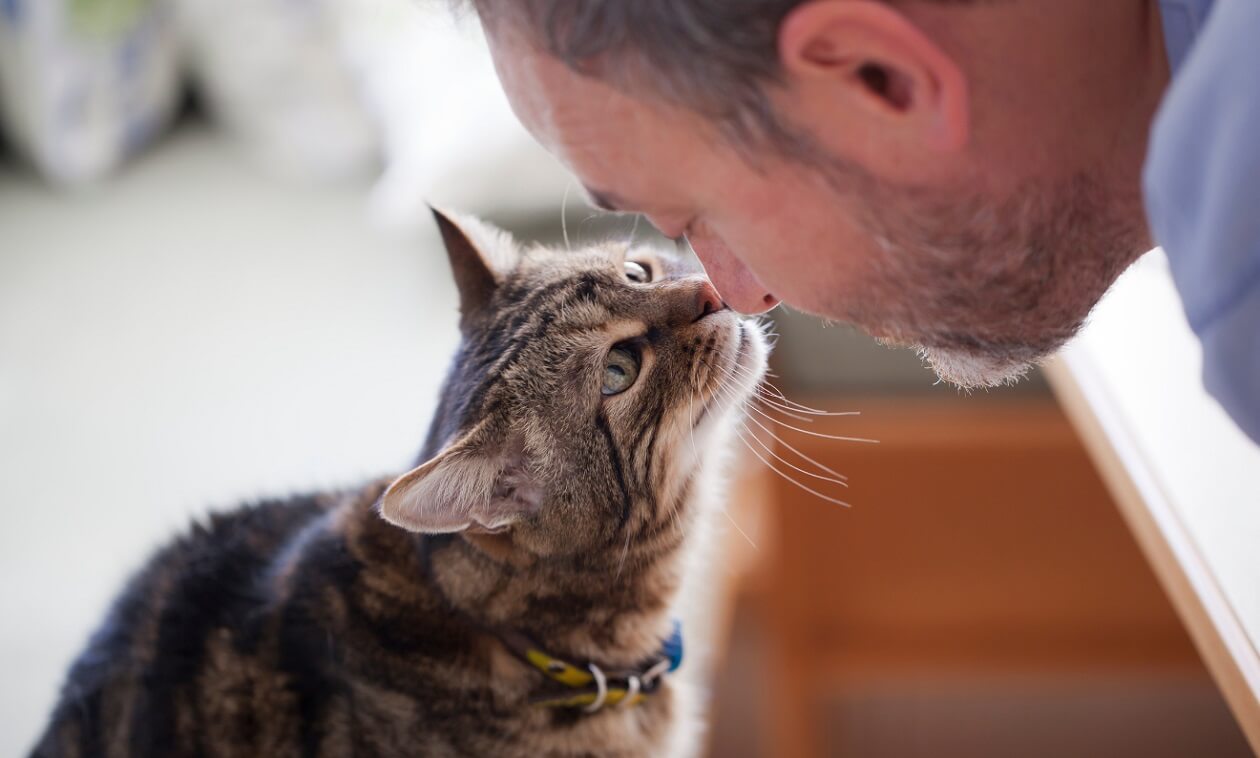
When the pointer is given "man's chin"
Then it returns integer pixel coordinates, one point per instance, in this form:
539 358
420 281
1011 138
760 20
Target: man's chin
970 370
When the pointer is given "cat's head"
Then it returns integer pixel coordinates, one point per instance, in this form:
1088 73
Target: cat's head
584 397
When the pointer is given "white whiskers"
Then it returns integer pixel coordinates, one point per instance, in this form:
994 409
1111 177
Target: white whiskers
768 404
770 451
836 437
564 216
810 490
742 533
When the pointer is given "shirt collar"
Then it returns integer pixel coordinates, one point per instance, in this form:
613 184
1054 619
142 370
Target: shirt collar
1182 20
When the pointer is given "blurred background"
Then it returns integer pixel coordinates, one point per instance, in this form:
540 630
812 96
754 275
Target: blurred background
218 281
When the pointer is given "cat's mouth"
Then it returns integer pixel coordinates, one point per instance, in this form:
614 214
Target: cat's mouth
749 358
741 369
742 346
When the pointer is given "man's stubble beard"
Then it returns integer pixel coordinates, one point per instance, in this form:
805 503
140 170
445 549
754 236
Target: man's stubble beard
987 289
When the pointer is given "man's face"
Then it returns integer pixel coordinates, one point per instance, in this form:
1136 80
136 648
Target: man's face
984 282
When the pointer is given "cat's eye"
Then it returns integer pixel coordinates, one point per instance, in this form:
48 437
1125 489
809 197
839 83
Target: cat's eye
638 273
621 369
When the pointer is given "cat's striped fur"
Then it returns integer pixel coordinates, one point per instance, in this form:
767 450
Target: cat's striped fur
315 627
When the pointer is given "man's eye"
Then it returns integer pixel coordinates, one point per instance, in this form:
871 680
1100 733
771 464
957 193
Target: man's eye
638 273
621 369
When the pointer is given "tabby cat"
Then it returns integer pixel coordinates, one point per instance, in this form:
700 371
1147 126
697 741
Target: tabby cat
511 596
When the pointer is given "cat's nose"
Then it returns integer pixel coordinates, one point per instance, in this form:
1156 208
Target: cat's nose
707 300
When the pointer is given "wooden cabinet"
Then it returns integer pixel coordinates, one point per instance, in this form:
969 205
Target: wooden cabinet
980 543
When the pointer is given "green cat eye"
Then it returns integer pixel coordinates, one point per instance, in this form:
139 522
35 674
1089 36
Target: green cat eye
638 273
621 369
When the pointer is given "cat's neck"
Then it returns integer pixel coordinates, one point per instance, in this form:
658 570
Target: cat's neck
612 608
605 609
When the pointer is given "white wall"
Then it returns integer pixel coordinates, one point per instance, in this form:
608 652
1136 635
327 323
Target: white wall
191 334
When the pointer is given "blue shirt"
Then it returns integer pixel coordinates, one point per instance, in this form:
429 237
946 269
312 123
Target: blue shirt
1202 188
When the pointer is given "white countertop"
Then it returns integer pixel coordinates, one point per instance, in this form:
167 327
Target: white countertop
1185 477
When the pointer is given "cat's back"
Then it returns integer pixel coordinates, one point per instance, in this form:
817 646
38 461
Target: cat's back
123 694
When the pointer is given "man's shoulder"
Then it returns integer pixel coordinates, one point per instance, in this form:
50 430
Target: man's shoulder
1182 21
1202 187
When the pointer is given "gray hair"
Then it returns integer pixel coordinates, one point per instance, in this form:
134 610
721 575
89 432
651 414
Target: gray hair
714 57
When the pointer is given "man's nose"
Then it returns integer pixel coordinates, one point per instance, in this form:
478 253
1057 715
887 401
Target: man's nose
738 286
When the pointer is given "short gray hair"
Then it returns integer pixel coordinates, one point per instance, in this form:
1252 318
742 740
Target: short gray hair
714 57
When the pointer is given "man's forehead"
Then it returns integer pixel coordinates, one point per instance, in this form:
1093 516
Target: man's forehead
584 122
548 98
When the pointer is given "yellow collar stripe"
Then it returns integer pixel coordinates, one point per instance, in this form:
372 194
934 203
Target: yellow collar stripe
615 696
559 670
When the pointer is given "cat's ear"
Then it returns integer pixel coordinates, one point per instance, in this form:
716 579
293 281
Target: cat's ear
481 256
475 483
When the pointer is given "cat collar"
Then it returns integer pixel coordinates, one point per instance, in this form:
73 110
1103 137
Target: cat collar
592 688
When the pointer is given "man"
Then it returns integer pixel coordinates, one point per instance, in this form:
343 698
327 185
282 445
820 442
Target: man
963 176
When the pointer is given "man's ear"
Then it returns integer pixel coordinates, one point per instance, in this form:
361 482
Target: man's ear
481 256
864 67
475 483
